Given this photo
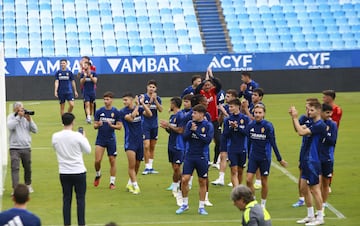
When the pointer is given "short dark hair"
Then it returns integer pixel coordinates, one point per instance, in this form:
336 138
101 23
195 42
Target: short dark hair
259 91
331 93
246 73
199 108
152 82
21 194
242 191
326 107
128 94
194 77
233 92
176 101
67 118
195 99
235 102
109 94
86 57
315 104
63 60
188 97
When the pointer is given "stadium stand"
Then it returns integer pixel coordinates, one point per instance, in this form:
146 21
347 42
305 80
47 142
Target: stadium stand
40 28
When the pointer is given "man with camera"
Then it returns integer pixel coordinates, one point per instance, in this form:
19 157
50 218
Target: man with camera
20 125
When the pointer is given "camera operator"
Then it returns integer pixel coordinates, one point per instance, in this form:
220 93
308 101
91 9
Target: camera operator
20 125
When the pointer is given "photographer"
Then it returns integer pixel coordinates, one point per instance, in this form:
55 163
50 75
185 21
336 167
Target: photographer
20 125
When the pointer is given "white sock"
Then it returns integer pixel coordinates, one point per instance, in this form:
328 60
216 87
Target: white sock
186 201
263 202
310 211
135 184
129 181
201 204
221 176
88 117
175 186
207 196
112 180
320 215
302 199
147 166
191 179
151 163
257 181
98 173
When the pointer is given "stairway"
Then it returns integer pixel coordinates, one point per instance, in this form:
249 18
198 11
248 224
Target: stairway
209 17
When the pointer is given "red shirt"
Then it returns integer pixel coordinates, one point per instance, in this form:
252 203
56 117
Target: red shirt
212 103
336 115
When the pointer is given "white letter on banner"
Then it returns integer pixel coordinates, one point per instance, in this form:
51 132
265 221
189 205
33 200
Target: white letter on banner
236 60
222 61
214 63
314 58
300 59
40 67
76 66
52 68
139 66
162 65
126 66
324 57
151 64
291 61
247 59
173 64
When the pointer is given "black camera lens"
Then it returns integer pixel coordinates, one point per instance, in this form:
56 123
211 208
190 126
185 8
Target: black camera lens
27 112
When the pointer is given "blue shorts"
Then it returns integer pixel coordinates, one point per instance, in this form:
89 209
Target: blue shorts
150 133
263 165
311 172
138 148
65 97
109 144
89 97
176 156
327 169
200 164
237 159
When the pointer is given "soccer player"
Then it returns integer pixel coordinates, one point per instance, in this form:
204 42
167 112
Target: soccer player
65 87
231 94
176 145
329 98
195 82
92 69
88 81
150 126
106 121
310 165
326 152
131 116
209 88
235 140
262 139
198 133
247 87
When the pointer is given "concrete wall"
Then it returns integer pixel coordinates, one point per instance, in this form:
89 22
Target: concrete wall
287 81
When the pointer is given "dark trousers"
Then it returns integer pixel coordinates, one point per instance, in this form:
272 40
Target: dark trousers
25 156
217 135
78 182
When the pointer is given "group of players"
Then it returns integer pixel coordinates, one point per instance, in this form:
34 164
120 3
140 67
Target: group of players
238 129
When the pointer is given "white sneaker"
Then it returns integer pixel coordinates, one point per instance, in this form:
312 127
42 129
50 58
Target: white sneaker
218 182
315 222
230 184
31 190
216 165
305 220
175 193
208 203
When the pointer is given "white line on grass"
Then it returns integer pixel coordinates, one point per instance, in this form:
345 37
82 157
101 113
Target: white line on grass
295 180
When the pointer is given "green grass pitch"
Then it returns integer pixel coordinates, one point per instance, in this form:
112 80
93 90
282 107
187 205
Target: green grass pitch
156 206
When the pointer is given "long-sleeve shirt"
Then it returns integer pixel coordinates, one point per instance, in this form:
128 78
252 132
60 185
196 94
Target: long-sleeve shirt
234 139
327 146
247 93
198 140
20 130
255 215
69 146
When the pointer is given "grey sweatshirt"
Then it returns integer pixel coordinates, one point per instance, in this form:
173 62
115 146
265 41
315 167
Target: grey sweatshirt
19 129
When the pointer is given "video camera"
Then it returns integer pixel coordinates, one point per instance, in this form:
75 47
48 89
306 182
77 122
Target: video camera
28 112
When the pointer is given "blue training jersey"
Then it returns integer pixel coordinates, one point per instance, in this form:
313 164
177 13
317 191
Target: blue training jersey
176 141
304 120
235 139
65 81
132 129
198 140
104 115
151 122
262 140
188 90
16 216
249 90
327 146
312 142
89 86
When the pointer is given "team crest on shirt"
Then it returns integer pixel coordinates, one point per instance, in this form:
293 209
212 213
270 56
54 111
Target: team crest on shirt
203 130
112 115
241 121
262 130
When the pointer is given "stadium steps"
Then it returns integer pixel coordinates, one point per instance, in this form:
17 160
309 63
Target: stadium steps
211 22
